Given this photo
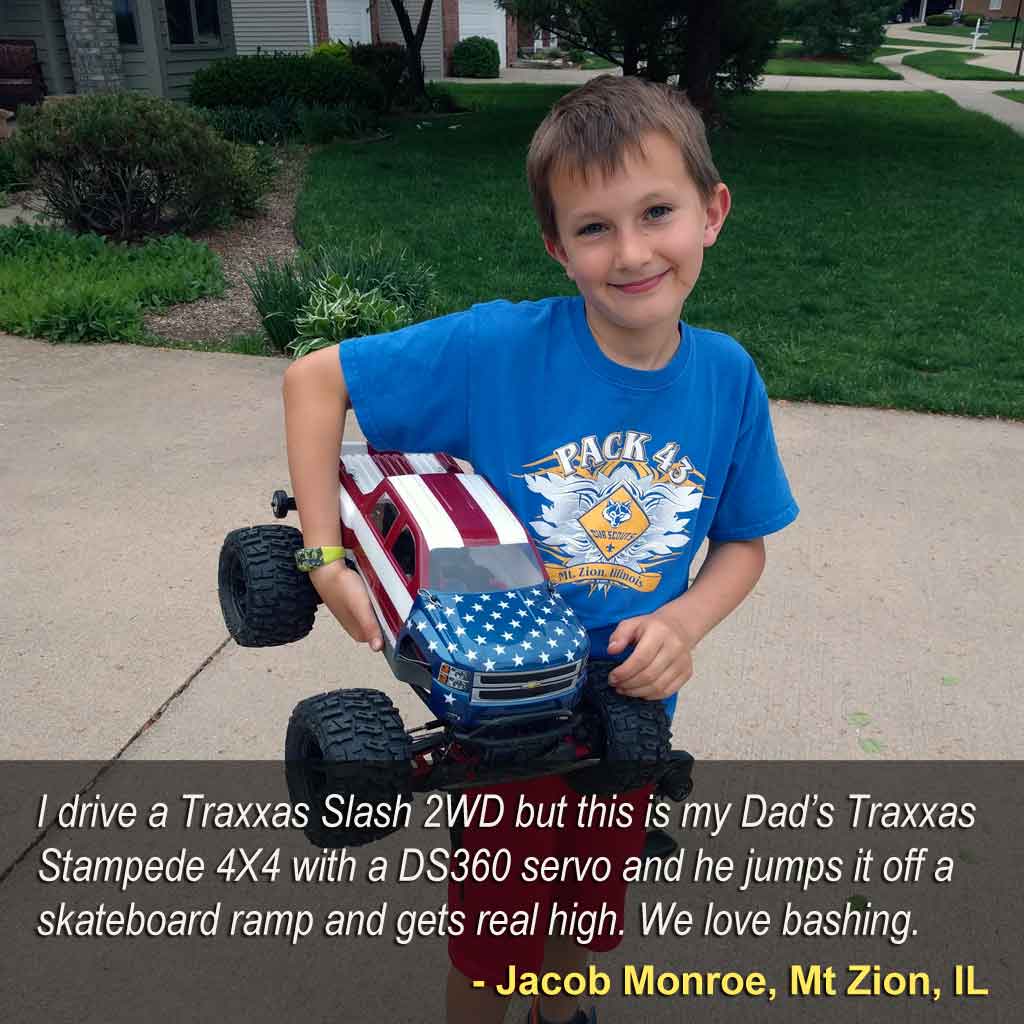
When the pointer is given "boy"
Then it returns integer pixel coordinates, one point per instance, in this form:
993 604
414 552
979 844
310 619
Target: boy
621 437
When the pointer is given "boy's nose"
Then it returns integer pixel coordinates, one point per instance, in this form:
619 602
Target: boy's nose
633 252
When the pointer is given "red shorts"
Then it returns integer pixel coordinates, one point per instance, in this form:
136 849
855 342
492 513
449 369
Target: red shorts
487 957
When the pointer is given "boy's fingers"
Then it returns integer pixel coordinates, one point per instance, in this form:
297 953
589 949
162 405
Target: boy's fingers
636 663
624 634
346 596
646 674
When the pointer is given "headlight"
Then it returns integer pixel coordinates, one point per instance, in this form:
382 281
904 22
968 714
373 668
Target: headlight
456 678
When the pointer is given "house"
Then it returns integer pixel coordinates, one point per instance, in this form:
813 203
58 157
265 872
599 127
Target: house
152 46
992 9
155 46
450 21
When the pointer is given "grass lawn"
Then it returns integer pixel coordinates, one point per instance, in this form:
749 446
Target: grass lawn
787 60
943 64
1017 95
96 290
593 63
828 68
999 31
933 45
830 269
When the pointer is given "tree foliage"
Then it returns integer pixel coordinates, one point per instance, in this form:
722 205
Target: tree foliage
712 47
851 28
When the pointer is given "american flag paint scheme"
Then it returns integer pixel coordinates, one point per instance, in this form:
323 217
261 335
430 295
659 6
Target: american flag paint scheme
459 590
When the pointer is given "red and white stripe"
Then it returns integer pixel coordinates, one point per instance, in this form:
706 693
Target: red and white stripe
452 510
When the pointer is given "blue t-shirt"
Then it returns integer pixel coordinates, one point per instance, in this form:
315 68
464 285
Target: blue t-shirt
618 473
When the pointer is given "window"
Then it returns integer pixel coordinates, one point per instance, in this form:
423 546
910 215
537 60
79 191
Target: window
489 567
127 22
384 515
995 5
404 550
193 22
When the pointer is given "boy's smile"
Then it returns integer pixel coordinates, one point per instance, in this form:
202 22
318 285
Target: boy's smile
634 244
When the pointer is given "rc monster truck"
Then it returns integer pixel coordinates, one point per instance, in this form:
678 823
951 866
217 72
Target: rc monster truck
469 621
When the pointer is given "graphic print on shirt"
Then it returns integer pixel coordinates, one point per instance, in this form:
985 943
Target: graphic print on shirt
613 514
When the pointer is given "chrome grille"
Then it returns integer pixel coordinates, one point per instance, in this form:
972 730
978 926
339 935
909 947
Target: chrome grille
530 684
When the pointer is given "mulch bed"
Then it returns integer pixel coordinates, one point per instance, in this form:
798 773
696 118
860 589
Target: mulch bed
241 247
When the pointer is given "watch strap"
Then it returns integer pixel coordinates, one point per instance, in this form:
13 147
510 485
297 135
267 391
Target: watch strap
308 559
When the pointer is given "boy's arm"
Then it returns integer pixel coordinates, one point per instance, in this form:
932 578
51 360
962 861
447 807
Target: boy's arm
662 661
728 575
315 405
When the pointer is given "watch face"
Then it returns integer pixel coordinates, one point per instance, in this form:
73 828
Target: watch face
308 559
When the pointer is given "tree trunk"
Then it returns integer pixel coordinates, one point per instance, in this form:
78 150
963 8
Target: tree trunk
414 42
703 53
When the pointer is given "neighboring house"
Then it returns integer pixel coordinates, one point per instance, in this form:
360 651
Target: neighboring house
151 46
155 46
994 9
450 21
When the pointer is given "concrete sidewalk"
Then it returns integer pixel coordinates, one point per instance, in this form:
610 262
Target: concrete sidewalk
906 35
128 466
977 96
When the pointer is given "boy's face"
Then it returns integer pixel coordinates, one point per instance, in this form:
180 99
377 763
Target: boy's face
648 221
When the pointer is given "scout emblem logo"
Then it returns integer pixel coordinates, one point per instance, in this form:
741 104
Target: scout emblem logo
612 515
613 524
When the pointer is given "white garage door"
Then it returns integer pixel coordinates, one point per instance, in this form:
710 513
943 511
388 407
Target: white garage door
348 19
482 18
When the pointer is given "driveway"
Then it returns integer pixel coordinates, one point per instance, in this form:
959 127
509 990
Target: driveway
126 466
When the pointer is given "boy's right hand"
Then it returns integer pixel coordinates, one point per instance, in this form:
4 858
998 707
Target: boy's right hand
345 594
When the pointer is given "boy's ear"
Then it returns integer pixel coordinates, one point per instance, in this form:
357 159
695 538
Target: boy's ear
556 251
717 210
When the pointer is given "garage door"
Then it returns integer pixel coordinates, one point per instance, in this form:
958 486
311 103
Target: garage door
348 19
482 18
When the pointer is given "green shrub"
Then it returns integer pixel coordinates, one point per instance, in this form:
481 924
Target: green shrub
335 49
323 79
577 56
128 165
331 82
281 291
939 19
325 124
853 28
96 290
388 63
475 57
252 126
253 171
971 20
9 176
336 311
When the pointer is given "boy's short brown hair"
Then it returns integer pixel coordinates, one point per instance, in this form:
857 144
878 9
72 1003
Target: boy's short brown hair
597 123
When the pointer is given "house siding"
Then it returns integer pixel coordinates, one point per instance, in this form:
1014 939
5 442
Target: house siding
182 62
983 7
432 52
64 78
41 21
271 25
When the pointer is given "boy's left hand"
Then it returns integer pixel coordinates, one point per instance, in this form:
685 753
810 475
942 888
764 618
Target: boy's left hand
661 661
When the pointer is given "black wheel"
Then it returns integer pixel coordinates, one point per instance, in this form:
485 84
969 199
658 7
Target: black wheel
266 601
351 743
630 735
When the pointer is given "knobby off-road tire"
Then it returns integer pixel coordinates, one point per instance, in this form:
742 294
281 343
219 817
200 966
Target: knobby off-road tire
265 600
349 742
631 736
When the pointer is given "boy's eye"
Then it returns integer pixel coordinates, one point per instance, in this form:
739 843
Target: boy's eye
585 230
667 209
